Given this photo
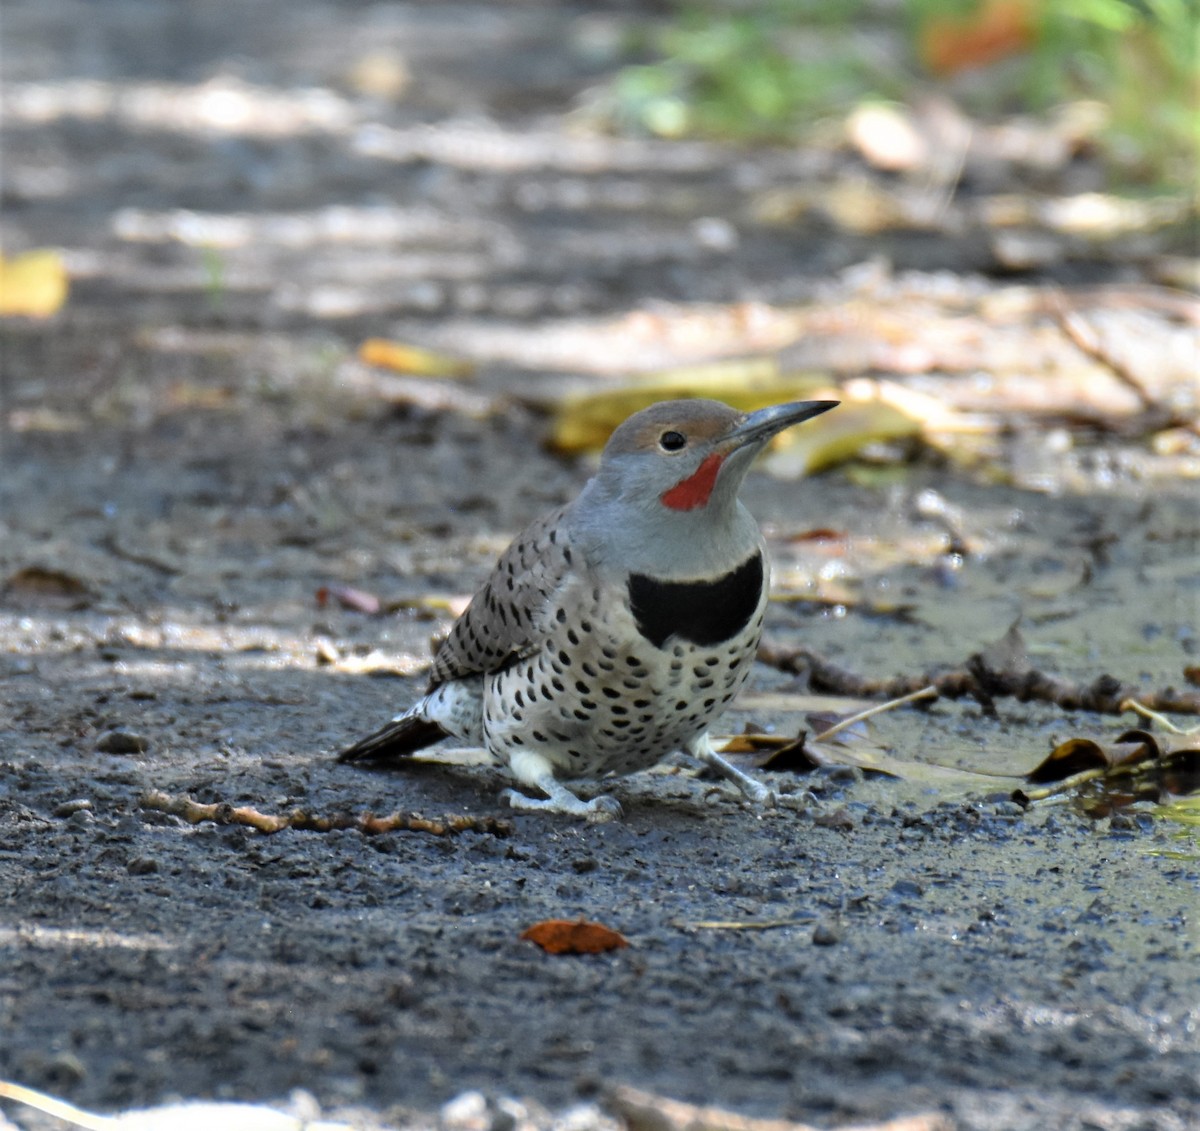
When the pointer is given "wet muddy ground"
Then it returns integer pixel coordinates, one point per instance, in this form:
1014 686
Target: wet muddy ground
192 447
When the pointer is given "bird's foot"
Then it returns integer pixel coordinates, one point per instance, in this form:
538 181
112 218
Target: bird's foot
753 791
533 769
757 793
599 809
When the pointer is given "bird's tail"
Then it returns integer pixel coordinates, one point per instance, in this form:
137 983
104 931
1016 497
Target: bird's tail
402 736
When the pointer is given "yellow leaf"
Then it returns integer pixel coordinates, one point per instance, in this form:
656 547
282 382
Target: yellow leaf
584 421
33 284
855 425
404 358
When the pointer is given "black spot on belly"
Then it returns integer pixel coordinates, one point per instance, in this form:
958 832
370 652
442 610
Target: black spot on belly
700 612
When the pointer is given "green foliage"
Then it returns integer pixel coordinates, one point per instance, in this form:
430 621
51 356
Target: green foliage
1141 61
765 69
746 73
1185 812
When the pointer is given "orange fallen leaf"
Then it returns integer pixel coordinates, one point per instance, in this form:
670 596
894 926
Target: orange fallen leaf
820 534
994 30
567 936
404 358
33 284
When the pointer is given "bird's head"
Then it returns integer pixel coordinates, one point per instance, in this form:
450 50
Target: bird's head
689 455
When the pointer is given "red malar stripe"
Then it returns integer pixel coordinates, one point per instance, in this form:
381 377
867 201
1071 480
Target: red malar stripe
694 491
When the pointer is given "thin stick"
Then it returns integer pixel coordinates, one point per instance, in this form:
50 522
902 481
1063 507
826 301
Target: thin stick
738 924
929 692
1154 716
980 680
225 814
60 1109
1085 338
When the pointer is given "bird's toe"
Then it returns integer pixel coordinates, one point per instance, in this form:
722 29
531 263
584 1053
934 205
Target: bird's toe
604 808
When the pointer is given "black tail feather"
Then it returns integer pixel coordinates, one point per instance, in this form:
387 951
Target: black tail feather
397 739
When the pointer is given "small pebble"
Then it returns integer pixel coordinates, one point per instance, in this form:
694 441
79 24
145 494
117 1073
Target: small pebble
798 802
74 806
839 819
466 1112
142 866
824 934
66 1068
1007 808
121 741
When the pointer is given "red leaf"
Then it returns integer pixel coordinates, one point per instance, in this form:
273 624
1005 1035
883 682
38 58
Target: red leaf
566 936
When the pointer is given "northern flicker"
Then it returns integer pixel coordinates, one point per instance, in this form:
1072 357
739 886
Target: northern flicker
615 629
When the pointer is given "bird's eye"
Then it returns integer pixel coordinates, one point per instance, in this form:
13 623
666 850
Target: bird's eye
672 441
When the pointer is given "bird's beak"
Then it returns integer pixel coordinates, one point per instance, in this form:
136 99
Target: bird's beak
757 428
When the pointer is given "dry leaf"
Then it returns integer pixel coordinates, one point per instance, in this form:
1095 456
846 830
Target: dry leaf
33 284
801 451
993 30
404 358
356 600
886 136
1079 754
1107 776
41 584
453 603
566 936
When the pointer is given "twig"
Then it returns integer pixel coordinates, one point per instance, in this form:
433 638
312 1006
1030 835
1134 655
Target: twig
51 1105
1154 716
929 692
738 924
225 814
1104 695
1083 335
644 1111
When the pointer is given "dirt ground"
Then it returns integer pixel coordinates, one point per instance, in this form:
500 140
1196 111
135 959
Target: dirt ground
192 446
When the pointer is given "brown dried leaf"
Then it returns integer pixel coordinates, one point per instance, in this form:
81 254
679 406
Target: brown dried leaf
43 584
567 936
1080 754
950 42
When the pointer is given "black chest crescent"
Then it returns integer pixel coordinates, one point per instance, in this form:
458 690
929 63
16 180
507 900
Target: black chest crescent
700 612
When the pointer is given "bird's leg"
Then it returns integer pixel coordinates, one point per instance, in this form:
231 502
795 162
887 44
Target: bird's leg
534 770
752 790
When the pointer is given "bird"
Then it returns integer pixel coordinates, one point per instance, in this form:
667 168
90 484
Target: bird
615 629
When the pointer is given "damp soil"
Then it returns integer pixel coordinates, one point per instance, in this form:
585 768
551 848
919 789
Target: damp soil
178 446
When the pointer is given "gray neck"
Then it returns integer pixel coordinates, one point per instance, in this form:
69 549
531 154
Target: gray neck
620 535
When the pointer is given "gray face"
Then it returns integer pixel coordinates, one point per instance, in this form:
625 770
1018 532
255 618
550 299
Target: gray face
664 502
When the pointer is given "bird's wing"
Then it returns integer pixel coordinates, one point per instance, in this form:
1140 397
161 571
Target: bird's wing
507 618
